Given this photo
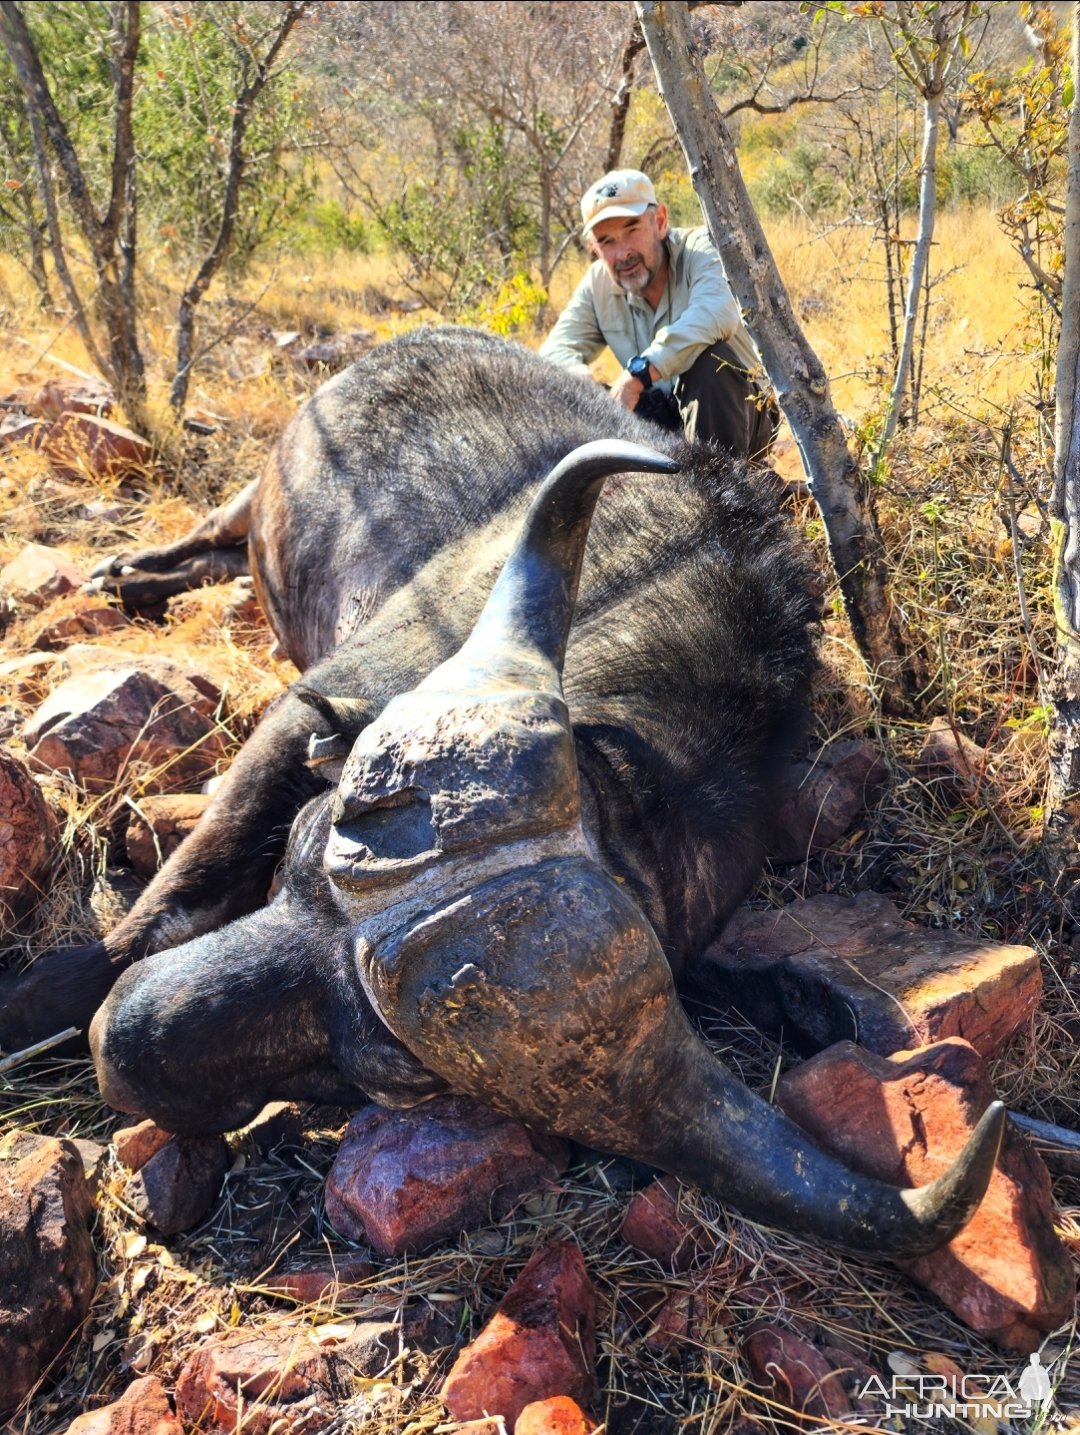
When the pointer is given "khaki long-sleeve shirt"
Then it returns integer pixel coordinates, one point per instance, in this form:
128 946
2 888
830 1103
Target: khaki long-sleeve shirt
697 309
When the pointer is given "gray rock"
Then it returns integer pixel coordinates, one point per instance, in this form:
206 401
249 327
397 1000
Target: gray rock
180 1183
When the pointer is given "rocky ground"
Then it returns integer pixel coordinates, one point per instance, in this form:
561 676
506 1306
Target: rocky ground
444 1269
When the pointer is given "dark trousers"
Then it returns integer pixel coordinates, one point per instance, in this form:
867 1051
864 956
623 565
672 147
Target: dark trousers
717 399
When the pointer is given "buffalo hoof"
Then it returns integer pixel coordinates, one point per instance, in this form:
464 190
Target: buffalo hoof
140 582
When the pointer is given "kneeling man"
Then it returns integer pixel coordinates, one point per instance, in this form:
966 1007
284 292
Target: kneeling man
659 299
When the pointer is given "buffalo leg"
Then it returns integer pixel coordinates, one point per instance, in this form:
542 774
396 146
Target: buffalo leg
139 588
214 551
221 871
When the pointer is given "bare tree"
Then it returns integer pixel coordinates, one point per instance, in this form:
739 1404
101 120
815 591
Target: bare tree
500 138
796 372
926 38
86 168
620 101
22 219
771 59
1062 829
109 232
257 55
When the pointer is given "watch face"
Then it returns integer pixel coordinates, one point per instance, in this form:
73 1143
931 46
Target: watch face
638 367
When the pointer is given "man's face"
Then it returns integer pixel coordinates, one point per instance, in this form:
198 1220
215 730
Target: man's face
632 248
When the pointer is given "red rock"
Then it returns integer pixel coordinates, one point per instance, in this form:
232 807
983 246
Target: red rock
655 1225
904 1120
18 428
540 1342
147 722
158 826
755 1302
143 1409
558 1416
82 445
251 1379
27 842
136 1144
795 1374
58 397
89 618
94 1158
406 1180
32 674
854 1374
825 795
673 1323
321 1283
38 574
292 1377
951 764
46 1256
179 1183
846 968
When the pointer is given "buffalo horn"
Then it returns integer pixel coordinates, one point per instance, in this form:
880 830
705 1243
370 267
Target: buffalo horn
525 623
713 1131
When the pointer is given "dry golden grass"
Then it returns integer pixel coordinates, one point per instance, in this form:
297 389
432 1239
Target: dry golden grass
971 866
976 346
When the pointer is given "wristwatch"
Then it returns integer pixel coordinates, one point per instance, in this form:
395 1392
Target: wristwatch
638 368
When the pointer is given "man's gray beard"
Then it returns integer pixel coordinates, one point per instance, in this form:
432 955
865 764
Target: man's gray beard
637 286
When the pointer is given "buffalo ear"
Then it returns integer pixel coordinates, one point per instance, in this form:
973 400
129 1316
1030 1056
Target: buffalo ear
345 717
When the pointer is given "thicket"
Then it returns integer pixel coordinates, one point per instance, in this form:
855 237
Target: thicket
467 171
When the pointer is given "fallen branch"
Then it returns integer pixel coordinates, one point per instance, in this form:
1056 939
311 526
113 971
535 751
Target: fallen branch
18 1057
1059 1147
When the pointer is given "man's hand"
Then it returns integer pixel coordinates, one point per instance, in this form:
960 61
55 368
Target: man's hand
627 390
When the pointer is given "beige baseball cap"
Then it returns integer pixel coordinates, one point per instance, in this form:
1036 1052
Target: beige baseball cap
618 195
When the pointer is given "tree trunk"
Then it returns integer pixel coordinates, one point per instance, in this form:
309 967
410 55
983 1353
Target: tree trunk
122 362
620 105
38 272
919 261
545 225
802 389
1061 837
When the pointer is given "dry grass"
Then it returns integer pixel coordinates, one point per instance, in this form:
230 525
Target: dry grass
952 534
976 349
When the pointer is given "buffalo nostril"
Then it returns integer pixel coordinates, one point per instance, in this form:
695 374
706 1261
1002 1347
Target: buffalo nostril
399 830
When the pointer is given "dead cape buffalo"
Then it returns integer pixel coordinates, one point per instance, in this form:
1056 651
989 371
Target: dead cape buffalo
515 812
